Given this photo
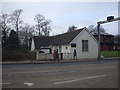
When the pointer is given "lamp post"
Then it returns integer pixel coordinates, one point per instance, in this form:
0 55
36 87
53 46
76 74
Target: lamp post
109 19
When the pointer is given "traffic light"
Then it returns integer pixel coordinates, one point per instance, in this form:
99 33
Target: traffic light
109 18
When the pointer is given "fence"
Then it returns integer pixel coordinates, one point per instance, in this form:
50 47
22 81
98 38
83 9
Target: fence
46 56
43 56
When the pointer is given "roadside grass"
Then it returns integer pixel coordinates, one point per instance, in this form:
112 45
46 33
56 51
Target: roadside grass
110 53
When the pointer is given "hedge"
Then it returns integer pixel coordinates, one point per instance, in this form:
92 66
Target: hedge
15 56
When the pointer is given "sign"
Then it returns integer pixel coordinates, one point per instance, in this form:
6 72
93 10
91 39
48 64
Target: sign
73 44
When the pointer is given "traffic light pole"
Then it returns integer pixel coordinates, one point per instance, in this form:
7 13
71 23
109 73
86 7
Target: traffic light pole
99 45
98 27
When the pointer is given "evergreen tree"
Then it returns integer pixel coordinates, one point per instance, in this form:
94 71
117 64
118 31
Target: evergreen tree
13 41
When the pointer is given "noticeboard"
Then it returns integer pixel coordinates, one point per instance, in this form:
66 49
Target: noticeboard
73 44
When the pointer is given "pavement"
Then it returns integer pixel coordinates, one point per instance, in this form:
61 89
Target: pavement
52 61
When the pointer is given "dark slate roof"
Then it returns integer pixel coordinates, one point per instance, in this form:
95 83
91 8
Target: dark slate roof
41 41
61 39
65 38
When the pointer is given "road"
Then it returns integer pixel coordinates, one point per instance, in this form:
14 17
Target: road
90 74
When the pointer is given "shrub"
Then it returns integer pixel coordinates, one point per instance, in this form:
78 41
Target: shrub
15 55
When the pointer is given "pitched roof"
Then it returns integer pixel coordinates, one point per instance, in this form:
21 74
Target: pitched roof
41 41
61 39
65 38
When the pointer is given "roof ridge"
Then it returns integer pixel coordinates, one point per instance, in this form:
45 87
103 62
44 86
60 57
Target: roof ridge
70 31
42 36
62 33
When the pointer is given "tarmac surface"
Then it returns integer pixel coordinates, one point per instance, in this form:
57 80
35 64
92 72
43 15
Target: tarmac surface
74 74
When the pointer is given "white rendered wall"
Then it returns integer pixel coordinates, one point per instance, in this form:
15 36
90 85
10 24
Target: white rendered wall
32 45
92 46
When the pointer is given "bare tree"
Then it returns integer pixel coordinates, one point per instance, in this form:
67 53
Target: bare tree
27 31
71 28
46 28
4 24
39 19
93 29
42 25
4 21
16 20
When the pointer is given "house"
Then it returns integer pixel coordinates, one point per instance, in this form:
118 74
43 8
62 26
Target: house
107 41
80 40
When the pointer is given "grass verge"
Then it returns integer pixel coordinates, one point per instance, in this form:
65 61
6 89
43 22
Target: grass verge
110 53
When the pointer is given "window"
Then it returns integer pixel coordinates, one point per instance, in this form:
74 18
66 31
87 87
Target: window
84 45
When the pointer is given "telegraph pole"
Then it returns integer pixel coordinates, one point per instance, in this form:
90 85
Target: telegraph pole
109 19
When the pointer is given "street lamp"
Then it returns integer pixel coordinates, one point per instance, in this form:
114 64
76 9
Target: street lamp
109 19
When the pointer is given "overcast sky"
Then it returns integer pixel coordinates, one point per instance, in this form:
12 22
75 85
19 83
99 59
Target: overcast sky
64 14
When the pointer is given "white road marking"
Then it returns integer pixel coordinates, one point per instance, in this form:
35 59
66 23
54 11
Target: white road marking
64 79
29 84
6 83
76 79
